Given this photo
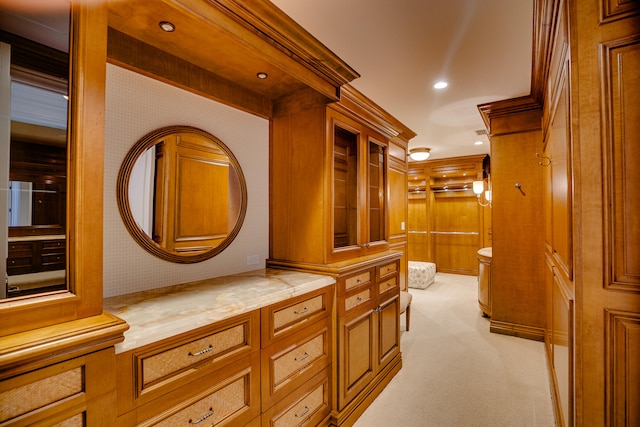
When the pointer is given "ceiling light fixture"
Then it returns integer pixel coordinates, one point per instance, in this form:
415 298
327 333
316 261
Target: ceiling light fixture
478 143
420 153
167 26
441 84
262 75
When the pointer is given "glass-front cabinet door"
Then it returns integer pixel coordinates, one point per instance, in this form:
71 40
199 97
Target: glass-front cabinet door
359 171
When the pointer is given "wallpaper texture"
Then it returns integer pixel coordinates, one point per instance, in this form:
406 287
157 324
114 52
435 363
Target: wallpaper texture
136 105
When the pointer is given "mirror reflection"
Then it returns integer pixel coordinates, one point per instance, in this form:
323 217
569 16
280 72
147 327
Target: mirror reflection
182 194
34 53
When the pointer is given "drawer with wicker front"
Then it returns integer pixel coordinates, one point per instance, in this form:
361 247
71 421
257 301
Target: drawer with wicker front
388 286
54 395
309 405
389 269
230 397
288 317
290 362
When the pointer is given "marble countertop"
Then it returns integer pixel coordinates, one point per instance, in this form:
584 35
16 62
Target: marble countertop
158 314
488 252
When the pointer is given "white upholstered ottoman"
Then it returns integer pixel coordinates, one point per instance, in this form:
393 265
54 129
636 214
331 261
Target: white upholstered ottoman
421 274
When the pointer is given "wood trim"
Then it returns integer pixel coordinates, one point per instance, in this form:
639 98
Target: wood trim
41 347
84 186
127 52
358 107
511 116
515 330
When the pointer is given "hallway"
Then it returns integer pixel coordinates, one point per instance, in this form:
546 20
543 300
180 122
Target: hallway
456 373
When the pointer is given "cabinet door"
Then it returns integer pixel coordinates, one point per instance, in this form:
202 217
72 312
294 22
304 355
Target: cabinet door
359 182
388 330
357 357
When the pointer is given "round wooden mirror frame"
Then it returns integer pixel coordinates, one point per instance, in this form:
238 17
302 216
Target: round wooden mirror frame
142 238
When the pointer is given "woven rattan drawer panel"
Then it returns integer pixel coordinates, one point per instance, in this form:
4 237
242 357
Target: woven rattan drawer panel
169 361
289 363
300 357
308 405
358 299
288 317
296 312
219 405
358 279
387 269
39 393
388 285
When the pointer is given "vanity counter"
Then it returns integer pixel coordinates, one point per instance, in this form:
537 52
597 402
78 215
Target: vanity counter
157 314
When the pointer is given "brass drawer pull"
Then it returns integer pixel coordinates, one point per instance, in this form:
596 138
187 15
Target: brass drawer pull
202 418
303 311
305 412
201 352
301 358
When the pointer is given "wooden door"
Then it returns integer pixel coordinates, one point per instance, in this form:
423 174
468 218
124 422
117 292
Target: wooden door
183 163
356 343
456 225
388 330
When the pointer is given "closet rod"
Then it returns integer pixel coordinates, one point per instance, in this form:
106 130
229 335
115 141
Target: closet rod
470 233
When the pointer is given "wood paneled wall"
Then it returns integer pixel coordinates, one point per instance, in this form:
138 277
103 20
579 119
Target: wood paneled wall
447 226
586 84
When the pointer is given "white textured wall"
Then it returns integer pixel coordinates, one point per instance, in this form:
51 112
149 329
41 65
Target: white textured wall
136 105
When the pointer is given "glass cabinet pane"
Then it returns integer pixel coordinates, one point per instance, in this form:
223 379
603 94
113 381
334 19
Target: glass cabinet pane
345 188
376 191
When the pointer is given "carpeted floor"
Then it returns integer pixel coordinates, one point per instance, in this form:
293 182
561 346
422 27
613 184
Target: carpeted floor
456 373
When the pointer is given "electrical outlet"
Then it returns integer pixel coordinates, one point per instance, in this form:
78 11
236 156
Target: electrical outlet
252 259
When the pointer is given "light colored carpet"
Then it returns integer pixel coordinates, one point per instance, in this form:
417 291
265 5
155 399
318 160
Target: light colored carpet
456 373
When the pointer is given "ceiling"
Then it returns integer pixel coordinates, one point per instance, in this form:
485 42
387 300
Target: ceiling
400 48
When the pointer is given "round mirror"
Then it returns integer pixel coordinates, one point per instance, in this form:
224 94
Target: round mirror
182 194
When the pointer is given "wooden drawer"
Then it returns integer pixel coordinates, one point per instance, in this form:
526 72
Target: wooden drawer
308 405
288 317
289 363
388 285
358 279
161 365
387 269
356 300
146 373
56 393
229 397
20 249
53 262
53 246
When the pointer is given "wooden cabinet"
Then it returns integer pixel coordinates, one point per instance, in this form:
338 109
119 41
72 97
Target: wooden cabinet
297 345
62 374
368 327
211 372
330 175
34 256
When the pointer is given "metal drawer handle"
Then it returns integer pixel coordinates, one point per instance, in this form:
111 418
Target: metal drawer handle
359 298
201 352
303 311
202 418
305 412
301 358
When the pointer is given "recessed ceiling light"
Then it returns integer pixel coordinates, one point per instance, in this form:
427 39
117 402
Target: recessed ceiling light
262 75
441 84
167 26
478 143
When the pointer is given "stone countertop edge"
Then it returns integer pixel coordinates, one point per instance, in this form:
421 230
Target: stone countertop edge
157 314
